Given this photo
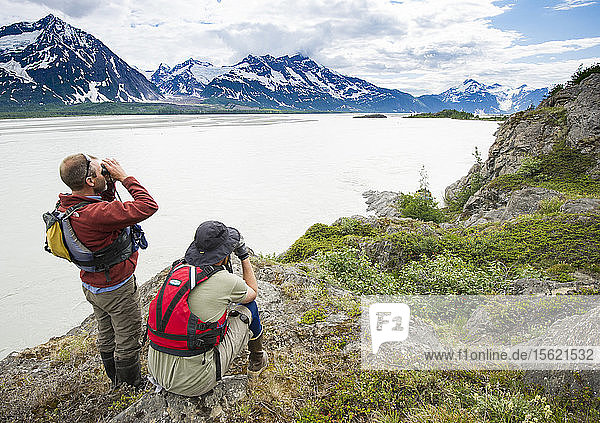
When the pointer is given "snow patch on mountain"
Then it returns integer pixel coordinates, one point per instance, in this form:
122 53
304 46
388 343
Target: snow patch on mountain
187 78
475 97
14 68
92 94
18 42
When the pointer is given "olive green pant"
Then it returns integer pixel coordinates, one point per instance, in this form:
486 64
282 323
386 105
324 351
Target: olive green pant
119 319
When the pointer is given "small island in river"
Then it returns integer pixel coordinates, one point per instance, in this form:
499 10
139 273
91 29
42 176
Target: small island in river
455 114
372 116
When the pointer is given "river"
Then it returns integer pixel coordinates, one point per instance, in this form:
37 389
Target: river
271 176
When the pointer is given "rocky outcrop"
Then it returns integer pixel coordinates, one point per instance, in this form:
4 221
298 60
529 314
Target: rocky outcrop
491 205
581 205
382 203
581 103
572 115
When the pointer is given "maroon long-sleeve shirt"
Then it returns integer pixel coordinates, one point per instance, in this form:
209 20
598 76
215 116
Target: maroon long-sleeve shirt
98 224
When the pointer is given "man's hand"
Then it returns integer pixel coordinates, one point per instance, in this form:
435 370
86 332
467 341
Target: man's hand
115 169
241 250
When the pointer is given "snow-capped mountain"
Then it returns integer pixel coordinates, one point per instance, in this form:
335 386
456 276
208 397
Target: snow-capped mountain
187 78
296 83
472 96
299 83
49 61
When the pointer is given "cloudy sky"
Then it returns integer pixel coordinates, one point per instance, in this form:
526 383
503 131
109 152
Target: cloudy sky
418 46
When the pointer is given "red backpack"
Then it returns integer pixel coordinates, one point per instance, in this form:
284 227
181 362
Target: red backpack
172 327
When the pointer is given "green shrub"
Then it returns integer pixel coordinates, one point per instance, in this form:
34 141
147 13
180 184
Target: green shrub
555 89
318 237
313 316
420 205
444 397
349 226
446 274
353 271
443 274
532 239
321 237
561 272
581 73
551 205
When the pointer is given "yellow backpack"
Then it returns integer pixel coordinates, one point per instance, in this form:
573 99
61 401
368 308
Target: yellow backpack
55 239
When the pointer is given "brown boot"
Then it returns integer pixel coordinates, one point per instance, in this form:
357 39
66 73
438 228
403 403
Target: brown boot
258 359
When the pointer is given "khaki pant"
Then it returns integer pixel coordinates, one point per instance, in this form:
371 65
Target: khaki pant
235 340
119 319
196 375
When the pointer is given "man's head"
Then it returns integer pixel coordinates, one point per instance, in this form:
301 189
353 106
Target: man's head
212 243
82 172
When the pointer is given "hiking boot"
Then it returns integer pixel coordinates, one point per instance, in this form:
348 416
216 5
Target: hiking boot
258 359
129 371
108 359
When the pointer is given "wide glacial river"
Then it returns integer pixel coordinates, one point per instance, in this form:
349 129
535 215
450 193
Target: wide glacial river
271 176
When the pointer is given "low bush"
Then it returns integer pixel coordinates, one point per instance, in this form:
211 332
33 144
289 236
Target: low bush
581 73
420 205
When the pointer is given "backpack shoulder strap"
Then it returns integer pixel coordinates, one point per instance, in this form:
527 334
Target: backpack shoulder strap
74 208
183 289
205 272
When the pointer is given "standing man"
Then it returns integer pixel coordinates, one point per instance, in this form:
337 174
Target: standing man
101 227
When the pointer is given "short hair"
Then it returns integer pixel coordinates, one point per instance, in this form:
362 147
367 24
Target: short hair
72 170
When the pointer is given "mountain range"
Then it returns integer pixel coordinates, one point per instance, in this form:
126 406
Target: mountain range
49 61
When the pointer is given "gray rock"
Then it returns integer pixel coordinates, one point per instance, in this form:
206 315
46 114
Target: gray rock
527 201
382 203
484 217
484 200
531 286
583 115
165 407
571 331
581 205
489 205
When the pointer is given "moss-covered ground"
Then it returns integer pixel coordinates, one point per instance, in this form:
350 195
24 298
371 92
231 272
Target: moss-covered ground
68 385
563 169
424 258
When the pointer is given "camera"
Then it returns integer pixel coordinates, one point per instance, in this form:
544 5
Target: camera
105 172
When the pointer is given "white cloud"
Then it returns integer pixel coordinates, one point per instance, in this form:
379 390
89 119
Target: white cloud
419 46
571 4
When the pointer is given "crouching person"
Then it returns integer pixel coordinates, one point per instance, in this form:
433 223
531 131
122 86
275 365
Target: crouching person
193 337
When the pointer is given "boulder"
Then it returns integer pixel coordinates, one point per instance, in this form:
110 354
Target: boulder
581 205
165 407
569 332
527 201
382 203
490 205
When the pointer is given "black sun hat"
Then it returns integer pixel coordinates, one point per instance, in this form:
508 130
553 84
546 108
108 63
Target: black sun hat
212 243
